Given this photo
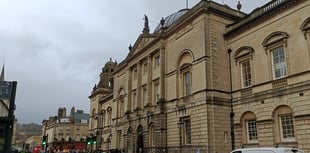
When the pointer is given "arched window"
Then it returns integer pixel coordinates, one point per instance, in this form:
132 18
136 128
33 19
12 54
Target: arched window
244 56
249 128
184 67
151 135
276 44
284 124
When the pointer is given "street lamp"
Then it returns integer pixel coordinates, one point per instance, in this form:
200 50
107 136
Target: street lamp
180 125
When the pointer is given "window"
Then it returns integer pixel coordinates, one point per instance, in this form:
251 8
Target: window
157 92
144 68
135 72
249 128
134 99
276 43
244 56
251 131
118 138
287 127
144 95
121 107
187 131
109 110
157 61
187 83
151 135
279 64
246 74
284 124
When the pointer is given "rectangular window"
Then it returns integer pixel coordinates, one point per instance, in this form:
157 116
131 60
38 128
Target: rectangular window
187 131
144 94
157 92
246 74
287 127
187 83
157 61
251 131
119 139
144 68
135 73
121 108
134 99
279 64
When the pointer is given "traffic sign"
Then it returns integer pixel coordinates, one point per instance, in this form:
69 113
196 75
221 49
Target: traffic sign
5 90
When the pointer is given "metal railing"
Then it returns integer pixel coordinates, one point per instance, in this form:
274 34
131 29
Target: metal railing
272 5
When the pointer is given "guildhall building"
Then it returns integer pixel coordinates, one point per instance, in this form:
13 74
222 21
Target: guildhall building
209 79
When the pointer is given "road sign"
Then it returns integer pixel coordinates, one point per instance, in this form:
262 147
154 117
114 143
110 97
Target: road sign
5 89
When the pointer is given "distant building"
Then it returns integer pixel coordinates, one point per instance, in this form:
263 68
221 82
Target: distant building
66 132
31 142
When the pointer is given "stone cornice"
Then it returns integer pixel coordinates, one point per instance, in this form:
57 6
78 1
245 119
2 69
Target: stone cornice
202 7
259 16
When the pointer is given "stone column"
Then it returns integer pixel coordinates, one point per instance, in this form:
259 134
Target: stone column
139 77
129 71
162 72
149 82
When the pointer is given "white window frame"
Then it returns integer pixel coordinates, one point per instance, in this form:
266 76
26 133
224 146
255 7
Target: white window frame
187 131
281 128
283 63
248 131
187 76
243 79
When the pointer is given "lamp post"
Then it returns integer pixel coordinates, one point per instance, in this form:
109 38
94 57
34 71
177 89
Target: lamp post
232 114
180 125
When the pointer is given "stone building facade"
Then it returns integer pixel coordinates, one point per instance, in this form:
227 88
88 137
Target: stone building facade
66 132
210 78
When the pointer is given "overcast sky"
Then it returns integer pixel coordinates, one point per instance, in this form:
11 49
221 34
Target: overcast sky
55 49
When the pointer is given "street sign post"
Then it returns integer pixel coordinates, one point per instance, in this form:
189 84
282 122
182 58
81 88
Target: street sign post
7 93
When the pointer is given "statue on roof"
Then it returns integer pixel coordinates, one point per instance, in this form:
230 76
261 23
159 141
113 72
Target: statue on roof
146 29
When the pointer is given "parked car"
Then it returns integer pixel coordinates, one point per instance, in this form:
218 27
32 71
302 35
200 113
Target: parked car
267 150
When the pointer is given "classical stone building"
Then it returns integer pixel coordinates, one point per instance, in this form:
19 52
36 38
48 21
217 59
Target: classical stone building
66 132
210 78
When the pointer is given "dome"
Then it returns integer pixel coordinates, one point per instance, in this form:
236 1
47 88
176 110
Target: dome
171 19
110 63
